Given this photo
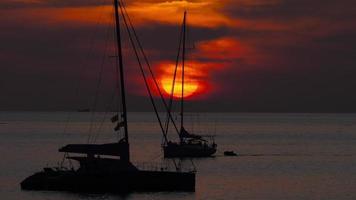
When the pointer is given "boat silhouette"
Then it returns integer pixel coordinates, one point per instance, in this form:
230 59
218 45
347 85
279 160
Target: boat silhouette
106 168
189 144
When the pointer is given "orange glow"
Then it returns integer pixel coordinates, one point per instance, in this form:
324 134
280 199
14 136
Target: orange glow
192 83
190 87
91 14
85 15
222 48
227 49
201 14
205 14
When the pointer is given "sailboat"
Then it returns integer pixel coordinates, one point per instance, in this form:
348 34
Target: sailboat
106 168
189 145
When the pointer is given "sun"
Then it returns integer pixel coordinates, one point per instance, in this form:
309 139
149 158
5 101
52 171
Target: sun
191 82
190 87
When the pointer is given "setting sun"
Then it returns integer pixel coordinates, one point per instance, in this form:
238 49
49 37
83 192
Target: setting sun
190 87
191 81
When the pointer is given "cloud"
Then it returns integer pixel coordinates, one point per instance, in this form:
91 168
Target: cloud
200 13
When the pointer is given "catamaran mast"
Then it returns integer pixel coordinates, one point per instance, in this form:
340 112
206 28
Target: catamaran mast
183 62
121 70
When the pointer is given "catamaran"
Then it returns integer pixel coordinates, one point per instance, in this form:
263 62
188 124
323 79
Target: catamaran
106 168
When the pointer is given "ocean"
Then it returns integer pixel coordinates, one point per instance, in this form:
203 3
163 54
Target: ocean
281 156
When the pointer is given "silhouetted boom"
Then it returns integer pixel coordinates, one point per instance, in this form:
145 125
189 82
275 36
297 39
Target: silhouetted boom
110 149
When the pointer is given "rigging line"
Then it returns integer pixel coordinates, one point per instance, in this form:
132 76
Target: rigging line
107 110
84 66
141 68
142 71
195 168
156 157
174 77
98 84
144 75
149 67
183 62
104 117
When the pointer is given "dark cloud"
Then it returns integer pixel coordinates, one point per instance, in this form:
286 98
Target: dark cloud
286 10
163 40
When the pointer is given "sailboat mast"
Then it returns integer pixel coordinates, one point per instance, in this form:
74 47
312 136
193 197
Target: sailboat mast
121 69
183 63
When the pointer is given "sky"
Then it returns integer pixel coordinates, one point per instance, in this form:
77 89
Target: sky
242 55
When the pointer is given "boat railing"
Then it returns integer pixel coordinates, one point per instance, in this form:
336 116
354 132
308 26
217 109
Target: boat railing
154 166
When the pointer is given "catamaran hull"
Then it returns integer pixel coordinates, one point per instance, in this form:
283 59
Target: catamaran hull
181 151
121 182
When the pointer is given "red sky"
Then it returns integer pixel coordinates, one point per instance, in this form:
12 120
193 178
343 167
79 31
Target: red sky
249 55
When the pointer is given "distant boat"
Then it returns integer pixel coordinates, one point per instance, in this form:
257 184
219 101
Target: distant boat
114 174
189 145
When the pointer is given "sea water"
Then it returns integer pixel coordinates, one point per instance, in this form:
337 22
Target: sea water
280 156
